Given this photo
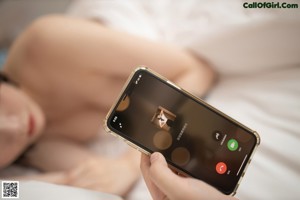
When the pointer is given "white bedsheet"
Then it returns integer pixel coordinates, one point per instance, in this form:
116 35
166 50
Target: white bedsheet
268 103
257 55
35 190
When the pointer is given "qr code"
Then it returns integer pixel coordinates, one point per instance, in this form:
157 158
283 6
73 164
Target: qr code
10 189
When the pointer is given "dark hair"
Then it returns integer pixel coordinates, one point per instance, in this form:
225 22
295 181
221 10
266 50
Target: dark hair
6 79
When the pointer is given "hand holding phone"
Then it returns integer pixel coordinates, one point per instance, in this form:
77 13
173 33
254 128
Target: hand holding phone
163 183
153 114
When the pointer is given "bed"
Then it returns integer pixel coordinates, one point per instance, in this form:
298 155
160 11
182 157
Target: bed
257 56
256 53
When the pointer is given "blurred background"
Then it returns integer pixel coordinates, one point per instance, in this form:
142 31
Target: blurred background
256 53
17 14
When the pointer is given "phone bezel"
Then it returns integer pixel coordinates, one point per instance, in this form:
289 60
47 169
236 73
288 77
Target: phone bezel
140 147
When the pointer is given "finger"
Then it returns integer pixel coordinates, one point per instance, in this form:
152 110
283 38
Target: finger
153 189
164 178
145 162
77 176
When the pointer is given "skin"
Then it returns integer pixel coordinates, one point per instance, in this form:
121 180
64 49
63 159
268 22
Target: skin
70 71
16 109
163 183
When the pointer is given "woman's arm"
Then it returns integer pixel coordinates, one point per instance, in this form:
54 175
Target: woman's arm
55 154
82 168
105 57
116 176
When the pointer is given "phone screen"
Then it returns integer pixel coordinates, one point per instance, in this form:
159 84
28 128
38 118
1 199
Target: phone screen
192 136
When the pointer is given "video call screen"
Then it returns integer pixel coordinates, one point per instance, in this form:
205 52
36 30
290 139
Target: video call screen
194 138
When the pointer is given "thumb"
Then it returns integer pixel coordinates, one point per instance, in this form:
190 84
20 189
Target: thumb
158 159
163 177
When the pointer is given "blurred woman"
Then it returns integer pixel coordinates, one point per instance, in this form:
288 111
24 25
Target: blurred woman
61 76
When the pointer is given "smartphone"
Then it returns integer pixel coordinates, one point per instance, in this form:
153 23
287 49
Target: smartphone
153 114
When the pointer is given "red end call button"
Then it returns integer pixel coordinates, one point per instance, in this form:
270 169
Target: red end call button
221 168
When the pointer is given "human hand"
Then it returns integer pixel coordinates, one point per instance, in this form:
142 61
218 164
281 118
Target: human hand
115 176
163 183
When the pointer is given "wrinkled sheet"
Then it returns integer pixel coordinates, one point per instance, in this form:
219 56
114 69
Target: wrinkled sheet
256 53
